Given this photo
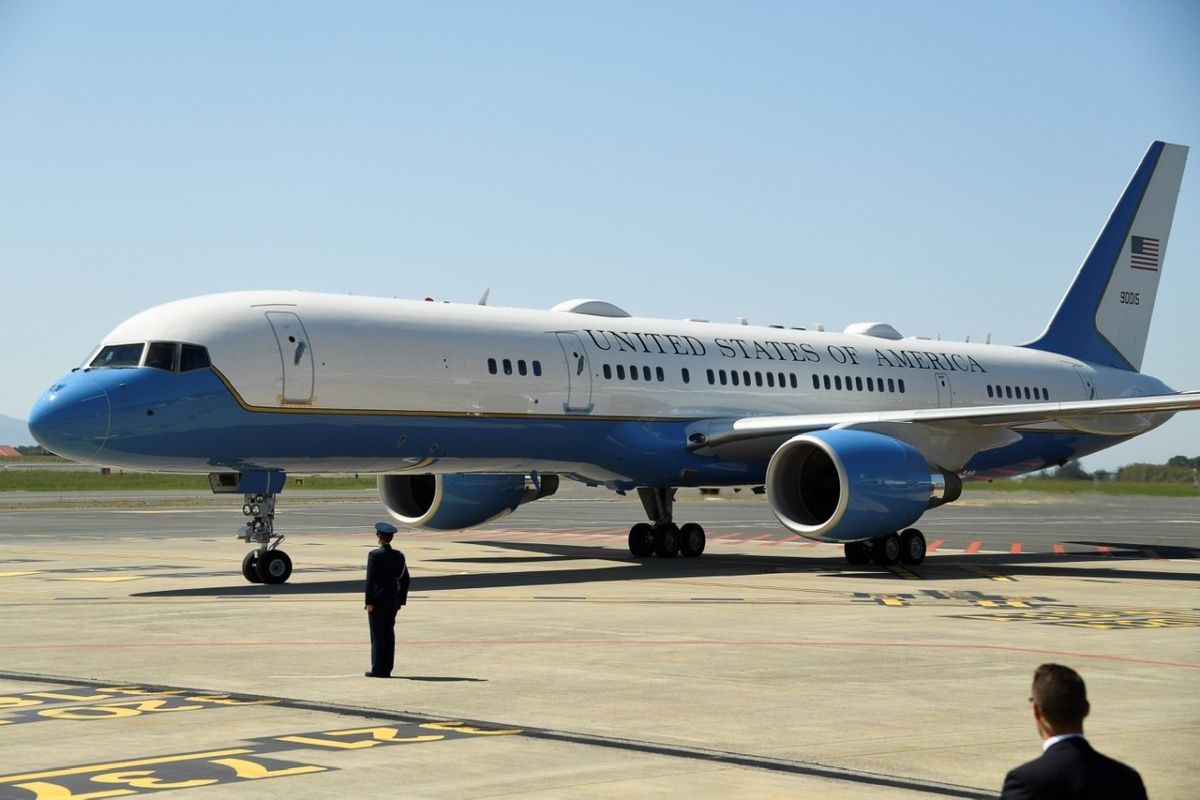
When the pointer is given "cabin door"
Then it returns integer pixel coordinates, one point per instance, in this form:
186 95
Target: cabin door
945 396
579 373
295 353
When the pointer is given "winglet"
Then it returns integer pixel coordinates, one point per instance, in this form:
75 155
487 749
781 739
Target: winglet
1105 316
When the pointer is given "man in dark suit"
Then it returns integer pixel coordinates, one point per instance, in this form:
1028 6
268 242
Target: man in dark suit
387 592
1068 766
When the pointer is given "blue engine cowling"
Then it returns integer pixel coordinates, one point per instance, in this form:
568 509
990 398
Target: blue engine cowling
454 502
847 485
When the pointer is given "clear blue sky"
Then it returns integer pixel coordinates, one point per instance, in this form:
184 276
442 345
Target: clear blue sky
943 166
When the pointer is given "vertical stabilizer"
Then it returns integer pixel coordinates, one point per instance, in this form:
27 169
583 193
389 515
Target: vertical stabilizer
1105 316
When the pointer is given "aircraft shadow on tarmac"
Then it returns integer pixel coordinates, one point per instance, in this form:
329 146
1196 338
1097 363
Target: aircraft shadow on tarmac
622 567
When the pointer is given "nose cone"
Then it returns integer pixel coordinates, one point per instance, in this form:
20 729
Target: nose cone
71 418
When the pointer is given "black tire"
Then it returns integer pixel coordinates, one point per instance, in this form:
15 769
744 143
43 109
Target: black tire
858 553
250 567
912 547
641 540
666 540
886 551
274 567
691 540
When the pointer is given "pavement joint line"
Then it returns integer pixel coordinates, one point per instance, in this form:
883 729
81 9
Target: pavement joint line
807 768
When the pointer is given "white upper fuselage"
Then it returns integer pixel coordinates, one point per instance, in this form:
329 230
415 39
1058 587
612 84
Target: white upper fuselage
364 354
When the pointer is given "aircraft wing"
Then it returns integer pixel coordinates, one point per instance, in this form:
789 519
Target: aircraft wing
948 437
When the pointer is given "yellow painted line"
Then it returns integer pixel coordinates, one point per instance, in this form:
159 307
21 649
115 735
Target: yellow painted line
58 773
904 573
987 574
16 574
107 578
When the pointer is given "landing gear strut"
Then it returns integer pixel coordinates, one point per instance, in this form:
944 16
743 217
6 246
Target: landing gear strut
266 564
661 536
907 547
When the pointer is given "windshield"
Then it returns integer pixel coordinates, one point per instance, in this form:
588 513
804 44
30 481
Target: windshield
118 355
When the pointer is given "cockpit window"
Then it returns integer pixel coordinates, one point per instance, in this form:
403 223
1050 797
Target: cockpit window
193 356
161 355
118 355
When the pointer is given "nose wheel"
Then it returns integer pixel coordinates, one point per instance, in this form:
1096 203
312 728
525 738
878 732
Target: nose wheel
266 563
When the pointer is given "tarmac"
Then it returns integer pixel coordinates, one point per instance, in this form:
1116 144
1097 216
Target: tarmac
538 659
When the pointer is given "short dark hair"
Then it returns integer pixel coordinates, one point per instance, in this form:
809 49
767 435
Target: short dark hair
1060 694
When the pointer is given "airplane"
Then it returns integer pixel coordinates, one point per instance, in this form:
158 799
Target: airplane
467 411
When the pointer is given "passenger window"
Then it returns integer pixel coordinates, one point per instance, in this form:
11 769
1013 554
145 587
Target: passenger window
507 367
746 377
816 381
900 385
711 378
118 355
989 390
193 356
645 373
161 355
683 373
658 373
1045 394
633 373
826 379
771 379
793 377
837 381
537 368
733 376
891 385
1026 392
521 367
492 366
721 375
607 372
621 372
1008 392
858 383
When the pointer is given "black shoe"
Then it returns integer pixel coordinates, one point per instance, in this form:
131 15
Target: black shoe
375 675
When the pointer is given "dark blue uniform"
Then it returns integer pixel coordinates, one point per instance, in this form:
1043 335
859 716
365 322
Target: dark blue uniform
1072 769
387 592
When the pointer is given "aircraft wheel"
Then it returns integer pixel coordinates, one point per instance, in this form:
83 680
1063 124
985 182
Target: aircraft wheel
691 540
641 540
274 567
912 547
858 553
886 550
250 567
666 540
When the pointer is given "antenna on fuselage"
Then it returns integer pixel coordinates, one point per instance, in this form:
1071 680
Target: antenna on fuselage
483 300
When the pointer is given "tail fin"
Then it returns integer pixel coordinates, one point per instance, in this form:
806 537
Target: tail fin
1105 315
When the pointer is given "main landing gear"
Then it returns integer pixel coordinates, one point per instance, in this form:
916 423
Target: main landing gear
661 536
266 564
907 547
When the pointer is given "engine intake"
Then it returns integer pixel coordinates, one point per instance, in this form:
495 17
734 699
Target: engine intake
847 485
455 502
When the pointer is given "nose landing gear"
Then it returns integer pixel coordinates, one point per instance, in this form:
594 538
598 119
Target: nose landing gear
266 564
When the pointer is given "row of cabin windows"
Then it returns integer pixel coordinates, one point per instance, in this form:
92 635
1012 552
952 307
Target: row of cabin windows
636 373
506 364
858 384
748 378
1018 392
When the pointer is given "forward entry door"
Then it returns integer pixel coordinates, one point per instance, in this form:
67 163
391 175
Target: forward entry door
295 353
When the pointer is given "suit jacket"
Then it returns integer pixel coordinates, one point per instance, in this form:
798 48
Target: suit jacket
387 579
1072 769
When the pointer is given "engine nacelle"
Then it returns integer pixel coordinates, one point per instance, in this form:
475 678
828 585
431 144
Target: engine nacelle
454 502
848 485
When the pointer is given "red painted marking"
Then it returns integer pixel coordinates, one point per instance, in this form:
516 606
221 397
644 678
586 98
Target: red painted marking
934 545
1059 550
973 547
609 643
812 544
1153 554
760 536
1104 550
724 536
791 538
1015 548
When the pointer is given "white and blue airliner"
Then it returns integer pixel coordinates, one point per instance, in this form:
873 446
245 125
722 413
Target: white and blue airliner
467 411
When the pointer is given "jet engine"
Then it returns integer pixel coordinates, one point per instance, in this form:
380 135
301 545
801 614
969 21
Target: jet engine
847 485
454 502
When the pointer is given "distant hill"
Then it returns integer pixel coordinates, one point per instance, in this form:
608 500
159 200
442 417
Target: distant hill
14 432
